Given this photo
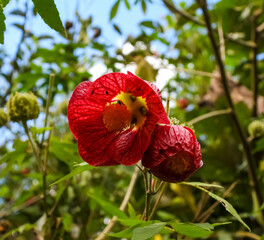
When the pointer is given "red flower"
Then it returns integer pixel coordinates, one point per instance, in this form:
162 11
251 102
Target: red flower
113 118
174 153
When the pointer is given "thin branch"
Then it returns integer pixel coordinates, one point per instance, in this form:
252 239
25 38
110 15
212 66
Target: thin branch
33 145
44 176
157 200
122 206
254 65
181 12
209 115
196 72
254 183
51 82
191 18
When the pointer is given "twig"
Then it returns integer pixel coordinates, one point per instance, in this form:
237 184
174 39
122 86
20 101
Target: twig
157 201
44 176
122 206
254 183
34 147
204 199
254 65
196 72
221 40
209 115
250 235
167 106
186 15
51 82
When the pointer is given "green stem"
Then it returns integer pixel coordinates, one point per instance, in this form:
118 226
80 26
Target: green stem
123 205
33 145
254 65
51 82
209 115
254 183
158 200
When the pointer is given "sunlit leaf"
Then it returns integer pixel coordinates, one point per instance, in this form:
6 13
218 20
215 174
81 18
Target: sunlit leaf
147 232
49 13
193 229
114 10
74 172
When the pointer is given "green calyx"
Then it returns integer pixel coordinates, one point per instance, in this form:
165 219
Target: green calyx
256 128
3 117
22 107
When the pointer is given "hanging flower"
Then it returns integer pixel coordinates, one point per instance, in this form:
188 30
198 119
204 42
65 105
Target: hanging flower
174 153
113 118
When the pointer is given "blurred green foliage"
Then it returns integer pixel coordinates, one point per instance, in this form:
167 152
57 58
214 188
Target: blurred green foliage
80 200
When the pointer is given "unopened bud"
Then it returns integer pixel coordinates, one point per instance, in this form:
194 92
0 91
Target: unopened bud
3 117
256 128
22 106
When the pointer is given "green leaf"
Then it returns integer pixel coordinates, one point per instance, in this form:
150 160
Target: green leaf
195 184
114 10
147 232
226 204
127 4
10 159
67 221
2 25
20 229
74 172
108 207
128 233
144 6
49 13
131 211
148 24
117 29
193 229
130 222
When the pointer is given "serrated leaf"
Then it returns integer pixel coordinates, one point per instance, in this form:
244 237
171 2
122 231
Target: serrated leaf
194 184
114 10
194 230
74 172
2 25
49 13
117 29
147 232
108 207
226 204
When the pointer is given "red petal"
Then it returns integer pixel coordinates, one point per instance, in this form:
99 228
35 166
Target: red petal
77 105
172 141
129 147
94 142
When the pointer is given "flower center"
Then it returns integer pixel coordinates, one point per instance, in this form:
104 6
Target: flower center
116 117
136 105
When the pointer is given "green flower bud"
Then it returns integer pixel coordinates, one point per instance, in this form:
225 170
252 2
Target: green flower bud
3 117
22 106
256 128
63 107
